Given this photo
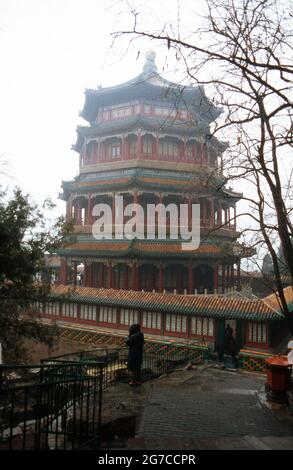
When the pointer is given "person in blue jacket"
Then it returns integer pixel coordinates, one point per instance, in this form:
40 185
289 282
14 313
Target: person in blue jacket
135 342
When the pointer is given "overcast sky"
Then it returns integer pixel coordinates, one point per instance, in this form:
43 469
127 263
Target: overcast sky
50 51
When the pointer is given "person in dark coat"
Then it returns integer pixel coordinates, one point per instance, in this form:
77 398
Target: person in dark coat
135 342
230 343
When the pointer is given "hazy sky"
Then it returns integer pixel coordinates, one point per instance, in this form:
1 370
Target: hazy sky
50 51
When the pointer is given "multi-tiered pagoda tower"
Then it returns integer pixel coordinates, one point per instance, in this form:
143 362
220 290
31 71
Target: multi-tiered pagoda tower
149 140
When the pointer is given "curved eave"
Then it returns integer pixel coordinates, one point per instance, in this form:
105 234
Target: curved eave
231 195
145 181
128 182
139 248
79 141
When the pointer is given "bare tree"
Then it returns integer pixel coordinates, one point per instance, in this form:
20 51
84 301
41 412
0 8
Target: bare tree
243 56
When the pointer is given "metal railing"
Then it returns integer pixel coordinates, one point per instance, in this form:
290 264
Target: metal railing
161 360
50 406
114 362
57 404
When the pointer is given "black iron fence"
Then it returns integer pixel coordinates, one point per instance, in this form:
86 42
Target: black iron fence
51 406
114 362
156 361
58 404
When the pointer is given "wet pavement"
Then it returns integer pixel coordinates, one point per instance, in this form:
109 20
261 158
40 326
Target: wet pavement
211 408
206 408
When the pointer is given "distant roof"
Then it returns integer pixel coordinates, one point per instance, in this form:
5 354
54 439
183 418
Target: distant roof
201 305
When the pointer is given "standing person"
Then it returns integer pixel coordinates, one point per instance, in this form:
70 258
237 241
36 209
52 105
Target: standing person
230 343
135 342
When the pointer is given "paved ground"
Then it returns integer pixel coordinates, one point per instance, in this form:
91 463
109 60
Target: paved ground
210 409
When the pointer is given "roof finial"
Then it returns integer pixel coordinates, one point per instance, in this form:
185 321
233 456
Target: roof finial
150 67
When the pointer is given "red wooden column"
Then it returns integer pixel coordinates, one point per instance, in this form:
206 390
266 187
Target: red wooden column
190 278
160 210
99 274
204 212
74 273
189 201
90 274
238 276
212 214
98 150
89 210
113 212
123 145
208 157
68 210
223 278
154 278
63 271
102 275
232 276
161 277
216 277
220 213
179 279
110 271
228 276
74 204
226 215
138 281
139 145
77 212
85 275
125 286
155 155
185 149
134 277
201 153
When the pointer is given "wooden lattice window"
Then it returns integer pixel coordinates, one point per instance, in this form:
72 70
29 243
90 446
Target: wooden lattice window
202 326
107 314
69 310
151 320
176 323
257 332
88 312
128 316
